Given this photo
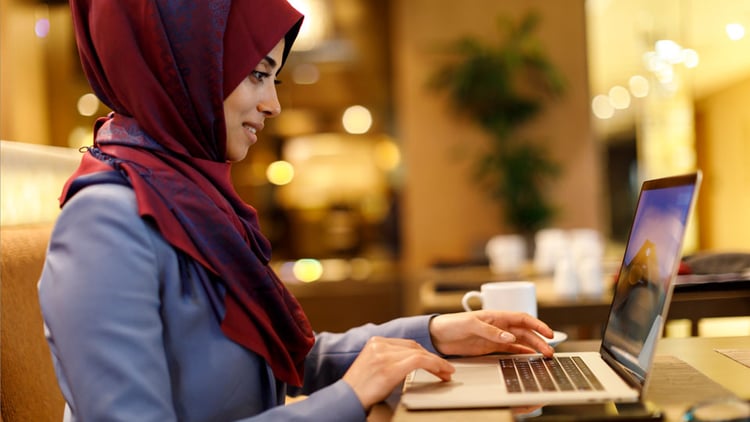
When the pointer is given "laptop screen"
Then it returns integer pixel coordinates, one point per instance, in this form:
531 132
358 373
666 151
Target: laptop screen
644 284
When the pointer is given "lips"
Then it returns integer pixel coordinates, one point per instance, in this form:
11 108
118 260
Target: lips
251 131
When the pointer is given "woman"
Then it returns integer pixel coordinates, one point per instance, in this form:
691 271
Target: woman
157 295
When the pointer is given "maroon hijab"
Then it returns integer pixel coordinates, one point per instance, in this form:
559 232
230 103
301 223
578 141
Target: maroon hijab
165 67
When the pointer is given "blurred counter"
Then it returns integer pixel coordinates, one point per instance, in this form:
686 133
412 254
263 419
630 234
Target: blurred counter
339 294
582 317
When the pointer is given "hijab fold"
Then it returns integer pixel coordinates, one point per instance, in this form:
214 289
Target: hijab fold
165 67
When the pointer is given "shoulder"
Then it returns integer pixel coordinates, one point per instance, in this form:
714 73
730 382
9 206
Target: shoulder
103 199
104 218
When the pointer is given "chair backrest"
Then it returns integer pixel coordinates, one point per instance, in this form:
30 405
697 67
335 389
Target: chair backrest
28 387
31 179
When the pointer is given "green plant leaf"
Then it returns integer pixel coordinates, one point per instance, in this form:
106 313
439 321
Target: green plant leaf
503 87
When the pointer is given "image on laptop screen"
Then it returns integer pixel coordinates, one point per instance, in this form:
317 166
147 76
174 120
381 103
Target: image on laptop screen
644 281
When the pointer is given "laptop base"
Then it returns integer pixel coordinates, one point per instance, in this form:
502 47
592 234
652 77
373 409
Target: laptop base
608 411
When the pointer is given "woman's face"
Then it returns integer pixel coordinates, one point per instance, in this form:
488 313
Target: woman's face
247 107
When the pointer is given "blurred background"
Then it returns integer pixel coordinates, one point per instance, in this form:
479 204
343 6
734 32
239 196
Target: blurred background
364 182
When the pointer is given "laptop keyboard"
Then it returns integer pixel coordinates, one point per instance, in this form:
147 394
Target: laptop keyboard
537 373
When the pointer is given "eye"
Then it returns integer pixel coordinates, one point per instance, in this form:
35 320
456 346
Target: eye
261 76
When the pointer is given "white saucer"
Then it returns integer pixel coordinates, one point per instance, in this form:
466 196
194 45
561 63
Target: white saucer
558 338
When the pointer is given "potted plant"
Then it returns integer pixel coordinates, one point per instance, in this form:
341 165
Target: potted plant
503 87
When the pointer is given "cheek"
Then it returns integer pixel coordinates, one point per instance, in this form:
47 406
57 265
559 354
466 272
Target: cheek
237 100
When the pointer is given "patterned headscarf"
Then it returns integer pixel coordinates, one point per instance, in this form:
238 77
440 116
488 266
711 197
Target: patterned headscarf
165 67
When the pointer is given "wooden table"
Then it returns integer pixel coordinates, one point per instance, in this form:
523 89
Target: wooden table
441 291
686 371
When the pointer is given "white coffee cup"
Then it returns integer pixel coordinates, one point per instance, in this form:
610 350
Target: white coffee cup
517 296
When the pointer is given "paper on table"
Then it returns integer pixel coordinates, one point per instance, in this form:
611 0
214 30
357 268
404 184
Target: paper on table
740 355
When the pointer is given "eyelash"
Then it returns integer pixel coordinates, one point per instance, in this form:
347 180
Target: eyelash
260 76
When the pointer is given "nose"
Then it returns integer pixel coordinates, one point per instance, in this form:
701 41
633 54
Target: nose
269 104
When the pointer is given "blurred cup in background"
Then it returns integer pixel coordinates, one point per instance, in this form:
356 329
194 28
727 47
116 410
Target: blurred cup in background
506 253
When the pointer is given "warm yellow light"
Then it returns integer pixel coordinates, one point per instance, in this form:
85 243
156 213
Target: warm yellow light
307 270
665 75
639 86
668 51
690 58
305 74
88 104
80 137
315 27
387 155
357 119
619 97
602 107
735 31
280 173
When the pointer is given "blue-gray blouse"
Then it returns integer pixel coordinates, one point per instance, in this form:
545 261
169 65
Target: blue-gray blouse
135 338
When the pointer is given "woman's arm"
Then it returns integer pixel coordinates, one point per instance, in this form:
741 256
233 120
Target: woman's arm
99 294
333 353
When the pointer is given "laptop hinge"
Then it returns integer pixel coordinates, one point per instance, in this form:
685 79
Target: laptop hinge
626 374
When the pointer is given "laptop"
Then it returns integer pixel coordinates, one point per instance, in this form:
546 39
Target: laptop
620 370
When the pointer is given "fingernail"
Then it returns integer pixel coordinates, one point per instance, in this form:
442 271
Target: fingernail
506 336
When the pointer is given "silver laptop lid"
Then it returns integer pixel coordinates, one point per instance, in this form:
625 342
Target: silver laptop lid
645 282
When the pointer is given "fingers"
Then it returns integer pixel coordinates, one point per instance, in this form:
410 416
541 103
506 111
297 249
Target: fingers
533 340
528 331
523 340
409 361
384 362
521 320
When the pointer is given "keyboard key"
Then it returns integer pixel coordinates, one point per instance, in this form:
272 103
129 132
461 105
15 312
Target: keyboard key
535 374
562 381
588 374
512 384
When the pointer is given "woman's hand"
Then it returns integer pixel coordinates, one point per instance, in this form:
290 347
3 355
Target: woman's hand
384 363
482 332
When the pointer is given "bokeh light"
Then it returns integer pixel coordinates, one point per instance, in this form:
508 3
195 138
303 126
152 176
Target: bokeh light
357 119
735 31
619 97
280 173
639 86
602 107
307 270
305 74
88 104
41 27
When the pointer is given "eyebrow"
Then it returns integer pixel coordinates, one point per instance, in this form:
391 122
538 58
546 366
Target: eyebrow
270 61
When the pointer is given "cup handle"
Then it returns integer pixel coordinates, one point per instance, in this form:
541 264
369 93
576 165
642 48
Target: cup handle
467 297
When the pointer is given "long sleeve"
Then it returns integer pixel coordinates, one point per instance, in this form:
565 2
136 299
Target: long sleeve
135 336
333 353
100 298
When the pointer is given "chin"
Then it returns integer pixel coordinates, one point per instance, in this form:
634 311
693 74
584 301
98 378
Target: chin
233 158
